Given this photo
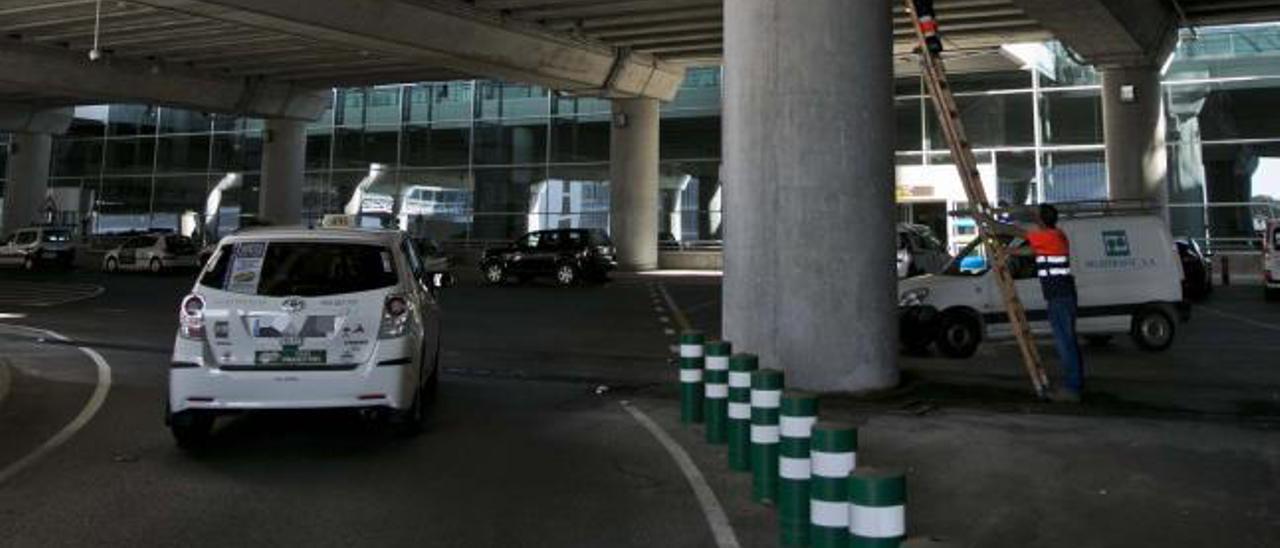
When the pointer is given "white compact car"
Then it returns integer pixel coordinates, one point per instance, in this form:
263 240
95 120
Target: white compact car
294 318
1128 278
153 253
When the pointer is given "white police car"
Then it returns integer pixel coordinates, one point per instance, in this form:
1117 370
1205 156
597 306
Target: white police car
293 318
1128 279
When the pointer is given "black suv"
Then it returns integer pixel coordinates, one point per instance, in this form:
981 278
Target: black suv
567 254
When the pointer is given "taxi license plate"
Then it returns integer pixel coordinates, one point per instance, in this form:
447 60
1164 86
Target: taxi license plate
284 357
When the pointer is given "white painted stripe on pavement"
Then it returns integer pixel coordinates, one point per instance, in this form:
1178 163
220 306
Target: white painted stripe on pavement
1237 317
877 522
721 529
86 414
828 514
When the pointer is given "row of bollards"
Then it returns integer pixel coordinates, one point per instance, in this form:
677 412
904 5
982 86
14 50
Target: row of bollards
807 468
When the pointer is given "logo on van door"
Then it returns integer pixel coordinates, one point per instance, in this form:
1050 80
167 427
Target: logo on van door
1116 243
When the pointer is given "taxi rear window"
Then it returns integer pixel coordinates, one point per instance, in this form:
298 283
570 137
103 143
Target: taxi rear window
304 269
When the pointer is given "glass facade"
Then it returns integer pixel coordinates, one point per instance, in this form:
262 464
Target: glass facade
486 160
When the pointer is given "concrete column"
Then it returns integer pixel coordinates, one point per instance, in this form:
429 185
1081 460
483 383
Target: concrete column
633 174
27 180
1134 129
284 161
810 282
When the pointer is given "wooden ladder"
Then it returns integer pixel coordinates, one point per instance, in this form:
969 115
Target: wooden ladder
935 76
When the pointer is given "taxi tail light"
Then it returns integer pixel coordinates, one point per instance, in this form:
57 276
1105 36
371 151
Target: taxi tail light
395 318
191 318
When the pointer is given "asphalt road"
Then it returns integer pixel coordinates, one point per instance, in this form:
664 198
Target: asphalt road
530 445
524 448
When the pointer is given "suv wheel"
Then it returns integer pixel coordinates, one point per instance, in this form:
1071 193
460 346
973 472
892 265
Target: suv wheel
29 263
566 274
1153 329
112 264
959 335
495 274
156 266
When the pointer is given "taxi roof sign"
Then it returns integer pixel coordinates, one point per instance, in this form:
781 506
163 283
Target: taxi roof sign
336 220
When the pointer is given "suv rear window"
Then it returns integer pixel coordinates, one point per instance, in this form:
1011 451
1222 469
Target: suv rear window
304 269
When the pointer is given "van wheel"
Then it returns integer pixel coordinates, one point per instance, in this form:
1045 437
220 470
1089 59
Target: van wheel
959 335
191 429
1153 329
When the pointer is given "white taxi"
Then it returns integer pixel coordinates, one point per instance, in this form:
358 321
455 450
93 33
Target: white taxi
295 318
152 252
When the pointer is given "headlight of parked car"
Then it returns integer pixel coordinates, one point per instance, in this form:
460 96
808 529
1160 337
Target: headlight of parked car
914 297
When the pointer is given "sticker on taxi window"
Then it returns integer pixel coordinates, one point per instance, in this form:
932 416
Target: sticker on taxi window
246 267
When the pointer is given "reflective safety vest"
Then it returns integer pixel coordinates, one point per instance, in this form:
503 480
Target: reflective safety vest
1053 262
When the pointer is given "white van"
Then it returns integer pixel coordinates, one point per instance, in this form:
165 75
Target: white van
1271 260
1128 278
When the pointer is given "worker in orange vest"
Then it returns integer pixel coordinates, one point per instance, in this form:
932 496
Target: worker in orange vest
1052 250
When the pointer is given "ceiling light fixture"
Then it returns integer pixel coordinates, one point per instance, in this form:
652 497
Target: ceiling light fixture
95 53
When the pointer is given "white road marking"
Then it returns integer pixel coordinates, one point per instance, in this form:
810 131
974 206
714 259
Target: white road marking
682 321
90 409
1237 317
716 517
43 294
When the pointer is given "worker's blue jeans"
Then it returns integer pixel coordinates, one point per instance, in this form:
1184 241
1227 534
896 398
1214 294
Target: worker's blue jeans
1062 317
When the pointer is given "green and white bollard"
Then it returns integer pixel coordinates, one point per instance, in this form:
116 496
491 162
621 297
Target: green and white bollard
691 376
766 401
739 427
716 408
877 508
832 456
799 412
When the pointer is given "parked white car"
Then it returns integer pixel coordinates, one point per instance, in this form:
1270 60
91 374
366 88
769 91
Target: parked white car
153 253
1128 278
294 318
31 248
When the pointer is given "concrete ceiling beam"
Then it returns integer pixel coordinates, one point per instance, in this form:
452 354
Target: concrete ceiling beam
1107 33
449 34
25 118
61 73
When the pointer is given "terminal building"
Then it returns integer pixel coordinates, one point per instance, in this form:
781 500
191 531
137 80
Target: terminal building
488 160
